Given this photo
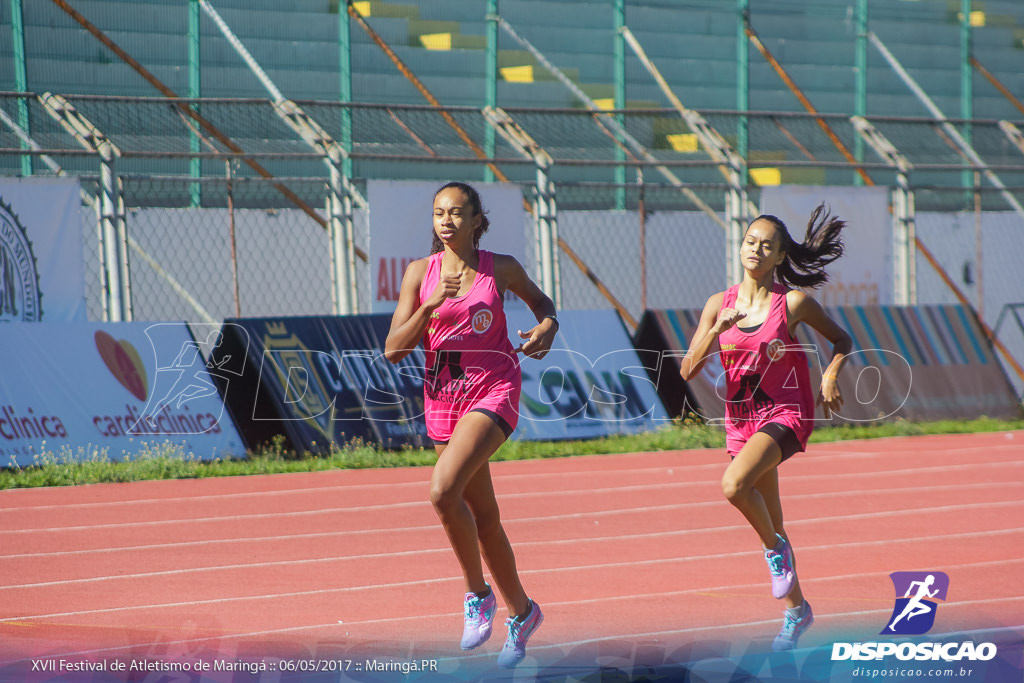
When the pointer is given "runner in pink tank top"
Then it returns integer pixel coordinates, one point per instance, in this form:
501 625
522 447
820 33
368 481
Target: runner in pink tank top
452 303
471 364
766 376
769 405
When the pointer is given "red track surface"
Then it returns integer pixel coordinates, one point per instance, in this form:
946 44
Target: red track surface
631 556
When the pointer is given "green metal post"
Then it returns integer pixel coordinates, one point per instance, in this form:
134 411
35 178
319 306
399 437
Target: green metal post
860 80
619 76
20 78
742 85
491 81
966 81
345 84
195 164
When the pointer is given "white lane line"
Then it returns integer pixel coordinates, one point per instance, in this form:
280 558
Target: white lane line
931 540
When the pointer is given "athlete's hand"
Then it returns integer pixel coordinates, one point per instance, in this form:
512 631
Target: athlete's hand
727 318
447 287
538 339
830 398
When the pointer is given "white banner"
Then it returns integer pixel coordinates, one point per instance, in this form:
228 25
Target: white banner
401 226
864 275
592 382
75 390
41 250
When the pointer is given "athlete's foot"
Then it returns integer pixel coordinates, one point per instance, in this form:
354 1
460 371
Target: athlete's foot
479 613
795 622
780 565
519 631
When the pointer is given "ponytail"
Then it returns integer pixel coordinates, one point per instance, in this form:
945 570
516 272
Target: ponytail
804 265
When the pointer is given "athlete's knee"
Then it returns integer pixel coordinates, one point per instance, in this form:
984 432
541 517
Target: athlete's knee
735 489
444 497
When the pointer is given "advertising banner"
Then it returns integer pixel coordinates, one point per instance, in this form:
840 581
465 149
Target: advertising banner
320 381
909 362
82 390
41 276
591 384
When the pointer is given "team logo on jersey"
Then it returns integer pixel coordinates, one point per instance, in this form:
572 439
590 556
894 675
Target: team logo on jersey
776 350
20 297
482 320
916 595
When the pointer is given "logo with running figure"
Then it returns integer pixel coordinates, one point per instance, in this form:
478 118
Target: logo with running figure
916 595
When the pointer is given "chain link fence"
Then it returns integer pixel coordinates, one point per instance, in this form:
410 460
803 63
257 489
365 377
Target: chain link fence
648 257
225 207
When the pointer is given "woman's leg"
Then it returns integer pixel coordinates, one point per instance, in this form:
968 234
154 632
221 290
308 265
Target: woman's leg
768 486
474 440
759 456
758 459
494 544
798 616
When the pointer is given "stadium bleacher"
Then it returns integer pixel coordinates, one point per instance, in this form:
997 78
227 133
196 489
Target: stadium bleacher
693 42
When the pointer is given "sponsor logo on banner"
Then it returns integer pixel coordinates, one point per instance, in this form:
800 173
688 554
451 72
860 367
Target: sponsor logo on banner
26 424
20 296
169 414
124 364
84 390
297 367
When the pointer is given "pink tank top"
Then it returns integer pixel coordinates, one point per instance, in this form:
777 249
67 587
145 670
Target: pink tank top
767 378
467 346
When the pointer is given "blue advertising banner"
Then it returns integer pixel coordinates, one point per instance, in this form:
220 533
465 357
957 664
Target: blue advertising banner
321 381
71 391
324 380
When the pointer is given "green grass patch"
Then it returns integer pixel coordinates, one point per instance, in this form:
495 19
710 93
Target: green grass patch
168 461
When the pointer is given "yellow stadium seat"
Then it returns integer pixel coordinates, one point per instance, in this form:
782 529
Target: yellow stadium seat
436 41
766 176
518 74
683 142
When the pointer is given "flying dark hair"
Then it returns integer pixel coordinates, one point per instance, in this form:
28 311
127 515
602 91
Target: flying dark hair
478 208
804 265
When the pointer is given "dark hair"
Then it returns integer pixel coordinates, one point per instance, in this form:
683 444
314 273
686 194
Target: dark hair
478 208
804 265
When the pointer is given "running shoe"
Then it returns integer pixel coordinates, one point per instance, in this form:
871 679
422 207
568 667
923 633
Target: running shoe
780 564
518 633
479 614
793 628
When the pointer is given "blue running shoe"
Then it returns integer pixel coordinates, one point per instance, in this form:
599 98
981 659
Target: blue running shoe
793 628
780 564
479 613
518 633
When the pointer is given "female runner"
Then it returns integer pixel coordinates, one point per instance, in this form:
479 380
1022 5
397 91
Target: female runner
452 301
770 406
